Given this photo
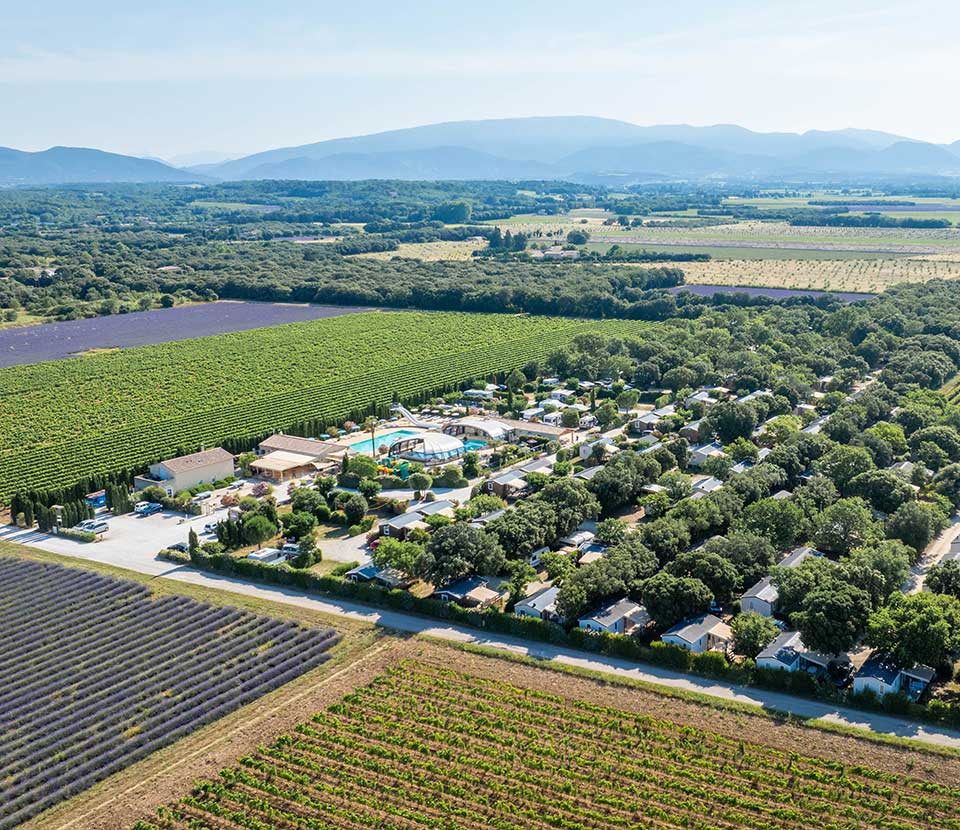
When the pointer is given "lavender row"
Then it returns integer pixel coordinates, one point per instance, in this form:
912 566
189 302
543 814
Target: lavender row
95 674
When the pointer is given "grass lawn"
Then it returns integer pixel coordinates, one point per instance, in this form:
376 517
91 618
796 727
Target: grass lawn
24 319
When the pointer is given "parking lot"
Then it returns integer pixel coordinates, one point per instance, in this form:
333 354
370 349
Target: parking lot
133 541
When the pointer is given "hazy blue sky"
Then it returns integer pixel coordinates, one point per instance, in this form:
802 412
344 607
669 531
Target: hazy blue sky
245 75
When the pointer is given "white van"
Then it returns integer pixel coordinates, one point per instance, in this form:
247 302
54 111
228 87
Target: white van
269 556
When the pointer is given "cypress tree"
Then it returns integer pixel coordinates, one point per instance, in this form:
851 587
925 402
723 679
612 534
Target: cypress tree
27 510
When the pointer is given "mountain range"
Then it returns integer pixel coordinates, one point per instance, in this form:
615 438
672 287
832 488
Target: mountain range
577 148
71 165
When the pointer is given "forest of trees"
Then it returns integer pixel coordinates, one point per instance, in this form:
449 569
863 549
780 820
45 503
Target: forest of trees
74 252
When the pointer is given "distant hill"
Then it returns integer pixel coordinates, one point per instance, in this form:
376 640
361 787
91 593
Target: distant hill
518 139
591 149
577 148
670 158
70 165
431 163
916 156
199 157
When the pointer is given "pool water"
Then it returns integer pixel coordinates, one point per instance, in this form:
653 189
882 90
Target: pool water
369 447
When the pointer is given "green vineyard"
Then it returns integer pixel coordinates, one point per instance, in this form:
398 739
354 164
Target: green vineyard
427 747
67 420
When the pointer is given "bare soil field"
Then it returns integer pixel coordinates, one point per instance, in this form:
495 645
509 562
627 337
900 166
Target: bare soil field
869 275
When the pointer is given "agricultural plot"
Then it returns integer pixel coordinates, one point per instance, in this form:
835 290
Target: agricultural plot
66 420
97 673
427 251
54 341
783 236
423 746
735 252
870 275
928 207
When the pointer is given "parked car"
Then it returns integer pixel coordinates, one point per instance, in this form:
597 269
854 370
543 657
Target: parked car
147 508
97 527
211 527
183 547
237 485
289 547
87 524
201 496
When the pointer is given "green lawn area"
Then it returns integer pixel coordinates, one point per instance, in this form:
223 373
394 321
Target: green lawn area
24 319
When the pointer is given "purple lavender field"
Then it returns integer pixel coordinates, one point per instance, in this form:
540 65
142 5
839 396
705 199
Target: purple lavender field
772 293
54 341
97 673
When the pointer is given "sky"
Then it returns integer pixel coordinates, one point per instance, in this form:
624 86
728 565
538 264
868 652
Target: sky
183 77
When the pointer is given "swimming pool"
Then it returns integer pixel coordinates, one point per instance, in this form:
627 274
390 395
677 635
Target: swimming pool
369 447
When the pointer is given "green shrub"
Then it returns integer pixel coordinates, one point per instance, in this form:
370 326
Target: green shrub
671 656
349 480
711 663
77 535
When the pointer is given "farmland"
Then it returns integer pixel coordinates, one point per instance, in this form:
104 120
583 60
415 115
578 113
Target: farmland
428 251
781 235
64 420
831 274
424 746
97 673
30 344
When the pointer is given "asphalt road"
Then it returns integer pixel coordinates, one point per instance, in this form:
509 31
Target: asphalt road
935 551
149 564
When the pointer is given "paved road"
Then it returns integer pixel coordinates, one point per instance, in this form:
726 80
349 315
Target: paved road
937 549
405 622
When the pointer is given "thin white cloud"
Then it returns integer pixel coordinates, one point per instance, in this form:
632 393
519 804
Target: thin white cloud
844 46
